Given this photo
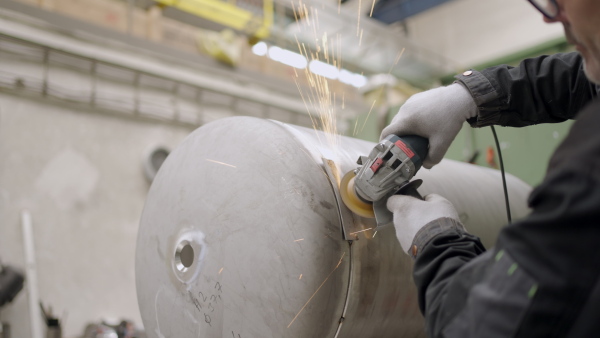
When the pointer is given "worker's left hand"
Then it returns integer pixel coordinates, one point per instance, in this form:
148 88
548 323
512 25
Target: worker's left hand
411 214
438 115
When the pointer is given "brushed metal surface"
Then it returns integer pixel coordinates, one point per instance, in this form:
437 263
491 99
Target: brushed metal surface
249 200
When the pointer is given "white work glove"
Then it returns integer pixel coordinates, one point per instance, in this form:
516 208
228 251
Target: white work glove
438 115
411 214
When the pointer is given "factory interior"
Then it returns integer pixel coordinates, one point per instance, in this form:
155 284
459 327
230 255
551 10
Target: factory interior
256 108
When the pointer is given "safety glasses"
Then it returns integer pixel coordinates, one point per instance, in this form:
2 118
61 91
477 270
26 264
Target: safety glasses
548 7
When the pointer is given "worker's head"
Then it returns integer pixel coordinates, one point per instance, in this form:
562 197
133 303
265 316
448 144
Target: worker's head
581 21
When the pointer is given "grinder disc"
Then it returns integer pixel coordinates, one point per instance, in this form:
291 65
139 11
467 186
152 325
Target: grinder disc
351 200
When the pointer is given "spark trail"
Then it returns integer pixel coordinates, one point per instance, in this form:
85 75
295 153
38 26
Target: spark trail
320 100
317 92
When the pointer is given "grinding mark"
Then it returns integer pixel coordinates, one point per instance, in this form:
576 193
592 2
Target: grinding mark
279 295
195 322
326 205
291 189
191 317
334 171
319 288
157 330
160 253
298 240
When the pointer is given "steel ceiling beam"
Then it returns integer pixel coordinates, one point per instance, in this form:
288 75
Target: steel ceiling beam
390 11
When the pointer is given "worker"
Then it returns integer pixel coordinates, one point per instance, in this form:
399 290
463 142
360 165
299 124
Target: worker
541 279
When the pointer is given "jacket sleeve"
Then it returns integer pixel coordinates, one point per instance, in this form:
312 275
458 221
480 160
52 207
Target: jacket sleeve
540 277
546 89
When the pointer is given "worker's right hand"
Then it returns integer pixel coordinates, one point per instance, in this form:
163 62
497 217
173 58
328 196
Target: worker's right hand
411 214
438 115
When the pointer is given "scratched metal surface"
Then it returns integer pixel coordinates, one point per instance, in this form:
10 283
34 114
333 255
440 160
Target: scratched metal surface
252 200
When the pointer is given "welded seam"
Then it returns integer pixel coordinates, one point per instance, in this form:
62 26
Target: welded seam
338 199
347 300
339 202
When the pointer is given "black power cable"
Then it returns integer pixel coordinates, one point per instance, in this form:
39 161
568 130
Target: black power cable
503 176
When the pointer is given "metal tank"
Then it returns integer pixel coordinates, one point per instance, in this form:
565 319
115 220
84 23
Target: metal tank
242 235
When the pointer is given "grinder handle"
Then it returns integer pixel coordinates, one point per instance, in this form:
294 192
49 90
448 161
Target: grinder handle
410 189
419 145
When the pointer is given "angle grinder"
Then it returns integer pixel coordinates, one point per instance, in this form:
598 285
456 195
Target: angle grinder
387 171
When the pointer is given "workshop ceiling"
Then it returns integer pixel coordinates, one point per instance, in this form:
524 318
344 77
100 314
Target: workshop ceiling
368 44
370 34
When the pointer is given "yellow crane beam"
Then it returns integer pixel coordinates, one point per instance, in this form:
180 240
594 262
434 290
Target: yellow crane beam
227 13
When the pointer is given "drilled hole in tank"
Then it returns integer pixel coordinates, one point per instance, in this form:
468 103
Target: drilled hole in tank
184 256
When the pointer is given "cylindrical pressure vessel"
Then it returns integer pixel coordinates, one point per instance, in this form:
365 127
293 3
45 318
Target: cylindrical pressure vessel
243 235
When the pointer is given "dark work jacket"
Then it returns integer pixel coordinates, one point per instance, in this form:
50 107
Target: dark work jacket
542 277
547 89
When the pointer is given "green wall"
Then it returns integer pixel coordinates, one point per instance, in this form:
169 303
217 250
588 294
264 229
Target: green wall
525 151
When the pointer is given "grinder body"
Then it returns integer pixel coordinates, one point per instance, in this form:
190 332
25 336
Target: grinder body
387 170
